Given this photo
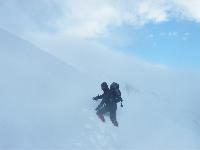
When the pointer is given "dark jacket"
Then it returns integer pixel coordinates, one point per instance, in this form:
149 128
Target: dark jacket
110 99
105 96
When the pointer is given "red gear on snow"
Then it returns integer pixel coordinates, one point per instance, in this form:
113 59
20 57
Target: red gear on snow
102 118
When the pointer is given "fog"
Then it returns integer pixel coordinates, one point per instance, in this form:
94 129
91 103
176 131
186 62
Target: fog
45 99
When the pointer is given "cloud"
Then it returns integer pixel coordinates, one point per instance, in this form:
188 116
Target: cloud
90 18
188 10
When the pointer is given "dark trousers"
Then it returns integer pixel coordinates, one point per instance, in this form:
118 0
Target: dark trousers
112 110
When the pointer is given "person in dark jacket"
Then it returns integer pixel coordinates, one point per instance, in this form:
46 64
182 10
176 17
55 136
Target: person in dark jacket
109 102
101 108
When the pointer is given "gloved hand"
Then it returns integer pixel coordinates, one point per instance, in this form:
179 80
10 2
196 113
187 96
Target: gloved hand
94 98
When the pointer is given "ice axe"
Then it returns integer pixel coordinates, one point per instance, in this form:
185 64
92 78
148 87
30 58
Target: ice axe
121 104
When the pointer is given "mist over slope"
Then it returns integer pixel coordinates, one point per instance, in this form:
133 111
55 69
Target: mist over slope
39 97
46 104
161 103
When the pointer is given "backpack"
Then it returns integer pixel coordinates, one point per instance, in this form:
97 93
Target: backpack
116 92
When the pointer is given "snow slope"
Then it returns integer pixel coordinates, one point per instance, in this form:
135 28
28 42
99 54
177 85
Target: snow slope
40 97
46 104
161 108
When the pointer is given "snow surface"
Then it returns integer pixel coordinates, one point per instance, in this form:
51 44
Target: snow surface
45 100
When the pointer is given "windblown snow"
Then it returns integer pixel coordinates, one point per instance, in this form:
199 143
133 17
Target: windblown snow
45 100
